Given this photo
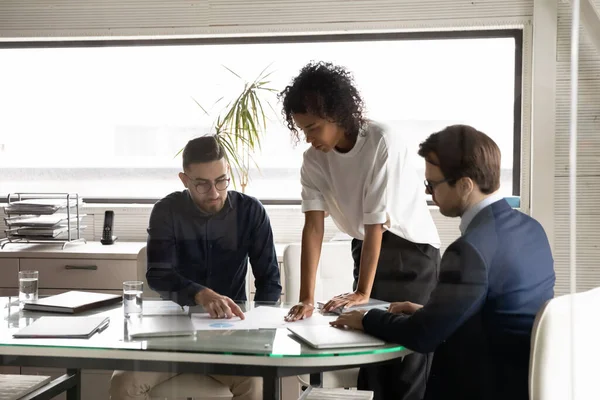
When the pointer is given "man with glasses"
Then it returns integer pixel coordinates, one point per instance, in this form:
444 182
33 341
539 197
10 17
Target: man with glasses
493 279
199 244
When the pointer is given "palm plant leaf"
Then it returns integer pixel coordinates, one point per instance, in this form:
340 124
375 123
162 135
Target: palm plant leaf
199 105
242 122
230 70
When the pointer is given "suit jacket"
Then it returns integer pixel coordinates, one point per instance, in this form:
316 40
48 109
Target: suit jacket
492 282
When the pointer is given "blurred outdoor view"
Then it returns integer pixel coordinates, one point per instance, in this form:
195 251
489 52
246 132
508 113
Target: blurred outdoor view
106 122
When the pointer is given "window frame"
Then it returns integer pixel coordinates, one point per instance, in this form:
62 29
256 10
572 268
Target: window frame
514 33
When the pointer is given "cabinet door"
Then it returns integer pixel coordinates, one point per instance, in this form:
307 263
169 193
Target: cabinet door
10 370
12 292
95 384
64 273
9 276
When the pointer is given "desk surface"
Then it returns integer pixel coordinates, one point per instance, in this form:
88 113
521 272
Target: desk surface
266 347
119 250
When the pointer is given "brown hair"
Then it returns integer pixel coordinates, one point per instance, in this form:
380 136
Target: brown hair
202 149
463 151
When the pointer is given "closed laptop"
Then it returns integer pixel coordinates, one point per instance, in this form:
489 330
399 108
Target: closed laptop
328 337
63 327
72 302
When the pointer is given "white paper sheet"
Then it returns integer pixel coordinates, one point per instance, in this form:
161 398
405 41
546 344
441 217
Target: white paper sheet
257 318
162 307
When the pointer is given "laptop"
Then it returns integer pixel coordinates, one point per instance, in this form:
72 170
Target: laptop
72 302
64 327
372 304
161 326
328 337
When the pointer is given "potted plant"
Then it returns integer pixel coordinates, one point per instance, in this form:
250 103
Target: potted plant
241 124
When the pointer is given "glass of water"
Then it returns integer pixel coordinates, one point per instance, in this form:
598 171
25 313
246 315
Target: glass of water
28 286
132 298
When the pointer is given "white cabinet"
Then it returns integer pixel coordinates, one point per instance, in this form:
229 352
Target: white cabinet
89 267
9 277
82 273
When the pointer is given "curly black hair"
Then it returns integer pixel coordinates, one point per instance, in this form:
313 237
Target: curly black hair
327 91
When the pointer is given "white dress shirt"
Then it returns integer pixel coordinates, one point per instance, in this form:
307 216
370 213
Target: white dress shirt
468 216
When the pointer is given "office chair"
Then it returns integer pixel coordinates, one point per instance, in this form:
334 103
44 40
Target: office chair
565 349
334 277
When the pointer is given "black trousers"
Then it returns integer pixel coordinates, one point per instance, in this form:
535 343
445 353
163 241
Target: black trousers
406 271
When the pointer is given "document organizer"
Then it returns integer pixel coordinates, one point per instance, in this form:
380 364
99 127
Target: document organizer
44 218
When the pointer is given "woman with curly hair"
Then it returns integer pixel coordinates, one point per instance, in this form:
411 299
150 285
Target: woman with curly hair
363 177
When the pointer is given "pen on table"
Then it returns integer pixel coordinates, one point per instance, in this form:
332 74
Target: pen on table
104 325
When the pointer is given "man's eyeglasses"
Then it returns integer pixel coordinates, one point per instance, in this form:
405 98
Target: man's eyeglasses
430 185
203 187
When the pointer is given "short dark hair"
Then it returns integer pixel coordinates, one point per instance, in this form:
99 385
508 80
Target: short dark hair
327 91
463 151
202 149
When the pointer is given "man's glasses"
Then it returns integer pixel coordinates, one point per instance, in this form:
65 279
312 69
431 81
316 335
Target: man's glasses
204 187
430 185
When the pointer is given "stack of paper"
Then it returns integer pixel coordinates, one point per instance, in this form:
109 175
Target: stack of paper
38 206
38 220
42 219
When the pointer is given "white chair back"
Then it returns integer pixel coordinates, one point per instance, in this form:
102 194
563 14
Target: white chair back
334 275
565 349
142 266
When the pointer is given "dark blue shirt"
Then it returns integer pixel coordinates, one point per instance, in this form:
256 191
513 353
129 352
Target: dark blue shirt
189 250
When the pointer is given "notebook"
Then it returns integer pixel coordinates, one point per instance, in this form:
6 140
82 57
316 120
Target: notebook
64 327
328 337
372 304
161 326
72 302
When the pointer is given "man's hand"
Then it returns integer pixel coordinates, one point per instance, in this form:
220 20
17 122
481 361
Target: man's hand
346 300
405 307
218 306
352 319
302 310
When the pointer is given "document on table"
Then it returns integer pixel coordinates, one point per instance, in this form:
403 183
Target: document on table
163 307
257 318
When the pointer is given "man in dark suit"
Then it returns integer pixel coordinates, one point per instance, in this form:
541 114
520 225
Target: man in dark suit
492 280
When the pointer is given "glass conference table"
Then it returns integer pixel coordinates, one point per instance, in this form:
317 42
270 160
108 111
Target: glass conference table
270 353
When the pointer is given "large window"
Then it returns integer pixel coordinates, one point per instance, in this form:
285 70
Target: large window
106 119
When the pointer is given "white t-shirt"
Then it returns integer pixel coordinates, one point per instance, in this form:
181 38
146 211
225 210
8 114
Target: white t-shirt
374 183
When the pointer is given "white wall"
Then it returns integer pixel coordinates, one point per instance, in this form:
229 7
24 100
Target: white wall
588 166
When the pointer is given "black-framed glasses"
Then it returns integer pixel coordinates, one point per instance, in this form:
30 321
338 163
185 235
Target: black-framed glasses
203 187
430 185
